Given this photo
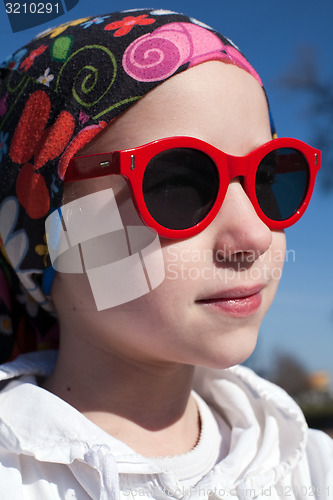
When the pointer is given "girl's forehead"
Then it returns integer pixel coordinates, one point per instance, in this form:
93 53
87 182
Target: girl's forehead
212 101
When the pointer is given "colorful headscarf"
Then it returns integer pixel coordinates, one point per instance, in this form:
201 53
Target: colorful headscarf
56 94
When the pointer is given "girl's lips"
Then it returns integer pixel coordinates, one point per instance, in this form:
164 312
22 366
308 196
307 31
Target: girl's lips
240 302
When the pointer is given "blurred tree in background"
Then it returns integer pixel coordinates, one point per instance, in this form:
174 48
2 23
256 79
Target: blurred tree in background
290 374
304 76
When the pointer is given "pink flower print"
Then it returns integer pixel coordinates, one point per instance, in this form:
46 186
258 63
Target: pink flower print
158 55
125 25
83 117
3 104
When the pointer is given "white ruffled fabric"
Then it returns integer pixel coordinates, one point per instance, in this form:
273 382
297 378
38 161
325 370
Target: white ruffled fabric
254 443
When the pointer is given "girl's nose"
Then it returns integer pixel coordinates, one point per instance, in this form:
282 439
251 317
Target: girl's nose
239 231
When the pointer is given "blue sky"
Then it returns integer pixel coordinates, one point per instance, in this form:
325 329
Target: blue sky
269 33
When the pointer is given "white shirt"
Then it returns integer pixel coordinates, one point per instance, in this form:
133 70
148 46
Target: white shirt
258 441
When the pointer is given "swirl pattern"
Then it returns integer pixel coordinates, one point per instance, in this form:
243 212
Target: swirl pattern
158 55
89 84
149 59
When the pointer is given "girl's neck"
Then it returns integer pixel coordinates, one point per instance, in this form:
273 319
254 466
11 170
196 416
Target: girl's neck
147 405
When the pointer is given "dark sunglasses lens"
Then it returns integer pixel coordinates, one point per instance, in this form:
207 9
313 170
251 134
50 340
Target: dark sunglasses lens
180 187
282 182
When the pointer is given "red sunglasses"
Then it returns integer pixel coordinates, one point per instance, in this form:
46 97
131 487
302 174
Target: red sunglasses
179 183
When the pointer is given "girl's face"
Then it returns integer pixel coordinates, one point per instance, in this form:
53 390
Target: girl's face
218 284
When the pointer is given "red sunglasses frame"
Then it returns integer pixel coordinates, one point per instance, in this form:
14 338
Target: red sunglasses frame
131 163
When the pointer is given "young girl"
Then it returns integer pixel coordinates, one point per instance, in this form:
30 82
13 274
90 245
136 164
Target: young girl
143 202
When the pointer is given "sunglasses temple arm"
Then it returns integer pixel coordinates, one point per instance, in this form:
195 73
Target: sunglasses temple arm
88 167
